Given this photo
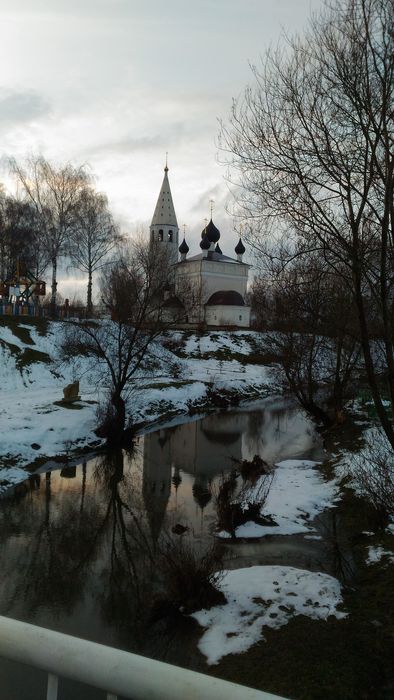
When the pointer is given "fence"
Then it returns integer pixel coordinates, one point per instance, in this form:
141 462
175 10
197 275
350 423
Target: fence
118 673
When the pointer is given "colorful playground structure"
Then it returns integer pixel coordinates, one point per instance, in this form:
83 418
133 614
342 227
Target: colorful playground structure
22 293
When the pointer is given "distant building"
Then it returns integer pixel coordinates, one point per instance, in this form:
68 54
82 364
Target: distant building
210 286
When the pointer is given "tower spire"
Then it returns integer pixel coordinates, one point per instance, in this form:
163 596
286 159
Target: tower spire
164 227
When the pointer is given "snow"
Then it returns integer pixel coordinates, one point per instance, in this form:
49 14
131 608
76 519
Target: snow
376 554
297 495
237 342
28 414
264 596
373 461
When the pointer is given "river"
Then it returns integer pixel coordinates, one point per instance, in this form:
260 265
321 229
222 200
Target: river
77 543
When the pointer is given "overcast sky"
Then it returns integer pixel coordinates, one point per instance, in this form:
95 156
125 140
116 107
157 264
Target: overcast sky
117 83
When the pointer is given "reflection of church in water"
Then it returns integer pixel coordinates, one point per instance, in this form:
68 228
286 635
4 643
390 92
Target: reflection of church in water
198 451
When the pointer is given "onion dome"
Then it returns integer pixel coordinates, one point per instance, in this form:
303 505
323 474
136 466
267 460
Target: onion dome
205 243
212 232
218 249
240 248
183 248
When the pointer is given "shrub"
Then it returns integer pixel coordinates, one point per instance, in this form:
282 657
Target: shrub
190 577
373 474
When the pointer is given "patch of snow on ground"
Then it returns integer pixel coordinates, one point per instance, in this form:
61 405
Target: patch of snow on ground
264 596
297 495
237 342
376 554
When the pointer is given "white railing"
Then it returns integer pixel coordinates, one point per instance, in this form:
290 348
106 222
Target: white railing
114 671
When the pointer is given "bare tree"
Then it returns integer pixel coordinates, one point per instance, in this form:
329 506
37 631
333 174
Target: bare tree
133 293
20 238
313 144
54 193
93 237
316 346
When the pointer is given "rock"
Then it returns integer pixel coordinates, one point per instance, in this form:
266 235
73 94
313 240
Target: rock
71 392
35 446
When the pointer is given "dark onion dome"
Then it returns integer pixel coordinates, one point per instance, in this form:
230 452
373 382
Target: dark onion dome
212 232
205 243
240 248
218 249
225 298
183 248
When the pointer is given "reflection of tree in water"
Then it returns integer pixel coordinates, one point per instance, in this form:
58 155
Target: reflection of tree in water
92 536
132 579
341 563
127 576
254 424
54 548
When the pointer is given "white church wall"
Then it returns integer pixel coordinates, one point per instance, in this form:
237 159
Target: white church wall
227 316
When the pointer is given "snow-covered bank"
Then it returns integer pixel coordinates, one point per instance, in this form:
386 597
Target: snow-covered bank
264 596
297 494
34 426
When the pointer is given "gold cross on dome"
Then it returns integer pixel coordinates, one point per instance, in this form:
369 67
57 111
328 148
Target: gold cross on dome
211 202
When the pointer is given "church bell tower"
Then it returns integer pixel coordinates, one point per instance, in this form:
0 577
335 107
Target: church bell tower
164 227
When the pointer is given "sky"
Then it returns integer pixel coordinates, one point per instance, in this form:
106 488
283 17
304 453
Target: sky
115 84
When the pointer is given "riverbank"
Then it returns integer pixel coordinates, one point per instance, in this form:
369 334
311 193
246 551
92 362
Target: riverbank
185 374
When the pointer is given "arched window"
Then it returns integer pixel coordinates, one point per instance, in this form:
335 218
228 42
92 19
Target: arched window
170 236
161 234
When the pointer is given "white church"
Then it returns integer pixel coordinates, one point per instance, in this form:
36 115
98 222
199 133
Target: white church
215 282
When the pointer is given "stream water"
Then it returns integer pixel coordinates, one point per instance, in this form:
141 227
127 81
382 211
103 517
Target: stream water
72 555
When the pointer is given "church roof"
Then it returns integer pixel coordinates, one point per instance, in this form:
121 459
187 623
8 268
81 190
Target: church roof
164 214
212 255
225 298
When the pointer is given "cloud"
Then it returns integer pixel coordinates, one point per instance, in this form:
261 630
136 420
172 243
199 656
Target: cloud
18 107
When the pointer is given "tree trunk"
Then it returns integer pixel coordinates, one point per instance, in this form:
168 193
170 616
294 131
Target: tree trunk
89 305
53 287
116 432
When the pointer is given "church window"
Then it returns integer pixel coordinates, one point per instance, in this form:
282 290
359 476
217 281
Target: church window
240 318
161 233
170 236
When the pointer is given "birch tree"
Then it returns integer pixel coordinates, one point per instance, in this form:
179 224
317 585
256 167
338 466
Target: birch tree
93 237
54 191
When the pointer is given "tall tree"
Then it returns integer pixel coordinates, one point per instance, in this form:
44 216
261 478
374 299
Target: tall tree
20 237
54 192
133 292
313 143
93 237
